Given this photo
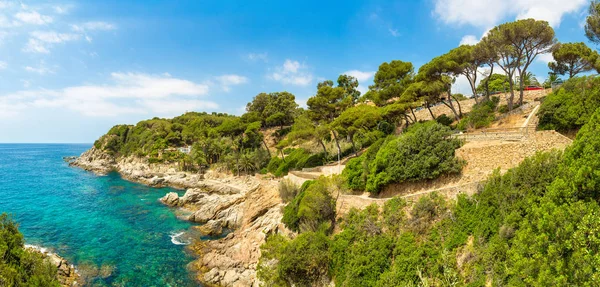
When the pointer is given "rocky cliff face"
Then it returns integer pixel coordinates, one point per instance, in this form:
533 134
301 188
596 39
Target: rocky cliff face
249 206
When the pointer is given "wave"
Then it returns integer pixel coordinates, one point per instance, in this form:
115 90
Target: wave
177 240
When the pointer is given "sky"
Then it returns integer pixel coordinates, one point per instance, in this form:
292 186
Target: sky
70 70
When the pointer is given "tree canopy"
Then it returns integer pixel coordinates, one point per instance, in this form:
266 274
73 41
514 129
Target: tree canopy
573 58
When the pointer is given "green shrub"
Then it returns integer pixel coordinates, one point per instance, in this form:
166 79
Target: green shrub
302 261
357 169
571 106
425 151
20 266
296 159
481 115
312 207
443 119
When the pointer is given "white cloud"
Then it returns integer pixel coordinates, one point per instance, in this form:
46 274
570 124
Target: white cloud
487 13
363 77
394 32
62 9
33 18
3 65
93 26
41 41
545 58
292 72
128 93
469 40
26 83
41 69
257 56
227 81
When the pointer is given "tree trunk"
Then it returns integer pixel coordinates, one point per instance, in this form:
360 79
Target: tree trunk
266 147
282 155
353 146
413 113
511 99
451 106
487 83
337 143
459 107
521 84
430 112
323 146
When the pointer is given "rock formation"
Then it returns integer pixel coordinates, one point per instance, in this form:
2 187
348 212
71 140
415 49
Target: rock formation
249 206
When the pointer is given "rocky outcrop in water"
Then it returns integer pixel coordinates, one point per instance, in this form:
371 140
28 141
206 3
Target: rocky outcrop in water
250 206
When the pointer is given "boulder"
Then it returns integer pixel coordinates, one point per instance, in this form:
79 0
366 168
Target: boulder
211 228
171 199
192 196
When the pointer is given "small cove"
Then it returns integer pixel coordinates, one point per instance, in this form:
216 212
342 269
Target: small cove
115 231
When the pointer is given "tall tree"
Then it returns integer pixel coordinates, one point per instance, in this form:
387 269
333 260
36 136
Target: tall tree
427 92
304 129
390 81
328 104
572 59
521 42
487 56
518 44
358 118
464 61
350 84
275 109
592 22
442 69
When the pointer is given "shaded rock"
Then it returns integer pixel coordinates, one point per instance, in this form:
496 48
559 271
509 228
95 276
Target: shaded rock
171 199
211 228
157 180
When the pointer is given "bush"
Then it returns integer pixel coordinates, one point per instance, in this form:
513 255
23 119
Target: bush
481 115
20 266
296 159
288 190
357 169
445 120
313 207
571 106
302 261
425 151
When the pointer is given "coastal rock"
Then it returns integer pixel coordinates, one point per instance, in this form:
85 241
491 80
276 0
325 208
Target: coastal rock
232 260
249 205
66 274
171 199
95 160
211 228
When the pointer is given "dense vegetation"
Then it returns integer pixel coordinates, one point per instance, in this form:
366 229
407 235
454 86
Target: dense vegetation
533 226
425 151
571 106
276 136
19 266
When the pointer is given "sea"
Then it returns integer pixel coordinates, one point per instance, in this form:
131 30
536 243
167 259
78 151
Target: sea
114 231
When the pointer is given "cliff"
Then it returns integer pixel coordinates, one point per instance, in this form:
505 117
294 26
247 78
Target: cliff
249 206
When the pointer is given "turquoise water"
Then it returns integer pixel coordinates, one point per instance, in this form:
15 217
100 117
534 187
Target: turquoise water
115 231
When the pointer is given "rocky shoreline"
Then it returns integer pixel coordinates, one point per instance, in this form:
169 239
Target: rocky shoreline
67 274
248 205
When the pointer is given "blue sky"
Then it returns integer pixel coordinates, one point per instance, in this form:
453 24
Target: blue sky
70 70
